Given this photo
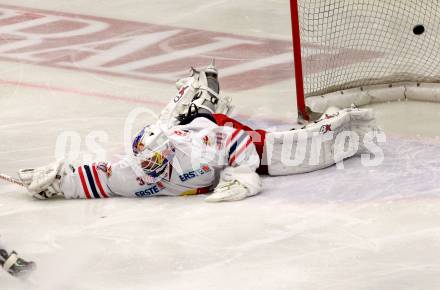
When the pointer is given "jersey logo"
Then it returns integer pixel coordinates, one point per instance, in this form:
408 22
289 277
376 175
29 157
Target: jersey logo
181 132
329 116
325 128
194 173
180 95
155 189
104 167
206 140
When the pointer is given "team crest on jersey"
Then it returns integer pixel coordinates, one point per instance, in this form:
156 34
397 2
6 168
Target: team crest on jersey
325 128
104 167
194 173
206 140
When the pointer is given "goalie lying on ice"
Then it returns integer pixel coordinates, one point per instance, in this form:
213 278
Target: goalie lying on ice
196 148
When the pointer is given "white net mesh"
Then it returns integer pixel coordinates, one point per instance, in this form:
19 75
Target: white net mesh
353 43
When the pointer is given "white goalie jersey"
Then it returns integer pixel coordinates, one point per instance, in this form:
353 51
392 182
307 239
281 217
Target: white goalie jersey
204 155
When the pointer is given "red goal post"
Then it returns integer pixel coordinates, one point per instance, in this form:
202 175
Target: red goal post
364 51
296 41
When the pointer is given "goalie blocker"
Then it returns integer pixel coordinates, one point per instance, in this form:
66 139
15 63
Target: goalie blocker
337 135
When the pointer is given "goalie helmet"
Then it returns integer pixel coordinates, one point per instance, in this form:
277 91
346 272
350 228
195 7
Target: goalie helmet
153 152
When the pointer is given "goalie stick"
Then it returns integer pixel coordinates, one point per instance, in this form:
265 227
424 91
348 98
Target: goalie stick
10 179
41 195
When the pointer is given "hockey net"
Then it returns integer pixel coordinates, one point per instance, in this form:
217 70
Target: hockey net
363 51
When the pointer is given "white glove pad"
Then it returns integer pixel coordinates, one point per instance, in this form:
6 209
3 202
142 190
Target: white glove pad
228 191
236 183
42 179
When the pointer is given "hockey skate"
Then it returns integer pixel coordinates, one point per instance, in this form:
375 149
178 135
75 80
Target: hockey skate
198 93
207 99
15 265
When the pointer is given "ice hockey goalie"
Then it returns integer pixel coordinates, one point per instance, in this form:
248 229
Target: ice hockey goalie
196 148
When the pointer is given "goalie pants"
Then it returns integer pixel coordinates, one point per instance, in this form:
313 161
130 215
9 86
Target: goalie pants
258 137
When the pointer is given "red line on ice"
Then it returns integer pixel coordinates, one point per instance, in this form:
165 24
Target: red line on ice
82 93
112 97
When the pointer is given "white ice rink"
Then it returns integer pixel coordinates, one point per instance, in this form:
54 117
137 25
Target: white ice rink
352 228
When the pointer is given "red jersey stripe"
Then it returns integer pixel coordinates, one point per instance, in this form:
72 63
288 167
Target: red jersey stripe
98 182
232 137
240 151
83 182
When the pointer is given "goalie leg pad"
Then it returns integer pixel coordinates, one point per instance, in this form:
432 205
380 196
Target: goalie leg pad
321 144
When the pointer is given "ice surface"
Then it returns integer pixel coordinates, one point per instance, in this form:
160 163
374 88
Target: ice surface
356 228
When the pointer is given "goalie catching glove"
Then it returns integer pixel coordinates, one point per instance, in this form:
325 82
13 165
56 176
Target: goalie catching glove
43 182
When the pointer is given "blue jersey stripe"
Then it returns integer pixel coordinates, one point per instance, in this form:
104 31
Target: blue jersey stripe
232 149
91 181
237 143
